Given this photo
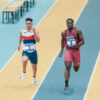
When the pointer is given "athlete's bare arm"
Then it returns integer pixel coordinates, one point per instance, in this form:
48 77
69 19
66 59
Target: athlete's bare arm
36 34
81 42
20 41
62 44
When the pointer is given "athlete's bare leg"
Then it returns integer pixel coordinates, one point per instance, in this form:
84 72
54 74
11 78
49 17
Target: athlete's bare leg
25 60
34 68
67 72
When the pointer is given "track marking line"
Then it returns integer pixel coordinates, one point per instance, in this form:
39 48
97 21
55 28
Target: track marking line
91 78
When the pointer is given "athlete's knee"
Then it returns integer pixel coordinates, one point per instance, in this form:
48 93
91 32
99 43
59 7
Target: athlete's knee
25 59
76 68
68 66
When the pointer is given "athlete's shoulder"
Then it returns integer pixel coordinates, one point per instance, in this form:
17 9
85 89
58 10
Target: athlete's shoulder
78 31
64 32
22 31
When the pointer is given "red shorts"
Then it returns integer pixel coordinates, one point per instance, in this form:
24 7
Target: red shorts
72 55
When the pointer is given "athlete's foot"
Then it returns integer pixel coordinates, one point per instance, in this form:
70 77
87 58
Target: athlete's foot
66 90
22 76
34 81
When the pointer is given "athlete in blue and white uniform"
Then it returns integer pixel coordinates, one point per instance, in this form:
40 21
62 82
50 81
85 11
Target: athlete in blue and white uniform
29 36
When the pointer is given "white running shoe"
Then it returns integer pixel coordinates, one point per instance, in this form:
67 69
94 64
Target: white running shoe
66 90
34 81
22 76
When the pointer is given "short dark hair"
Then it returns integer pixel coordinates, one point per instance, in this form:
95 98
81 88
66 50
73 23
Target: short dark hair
29 19
70 19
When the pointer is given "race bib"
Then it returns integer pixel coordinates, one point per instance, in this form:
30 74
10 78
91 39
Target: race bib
29 47
71 42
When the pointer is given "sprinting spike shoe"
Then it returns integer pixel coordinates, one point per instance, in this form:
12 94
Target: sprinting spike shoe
66 90
34 81
22 76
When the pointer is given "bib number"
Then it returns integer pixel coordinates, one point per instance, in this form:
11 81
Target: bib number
71 42
29 48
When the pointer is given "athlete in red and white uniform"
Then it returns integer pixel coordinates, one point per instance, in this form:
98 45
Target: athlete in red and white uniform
71 39
29 36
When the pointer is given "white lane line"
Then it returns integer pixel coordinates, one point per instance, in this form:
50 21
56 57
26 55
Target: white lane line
91 78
